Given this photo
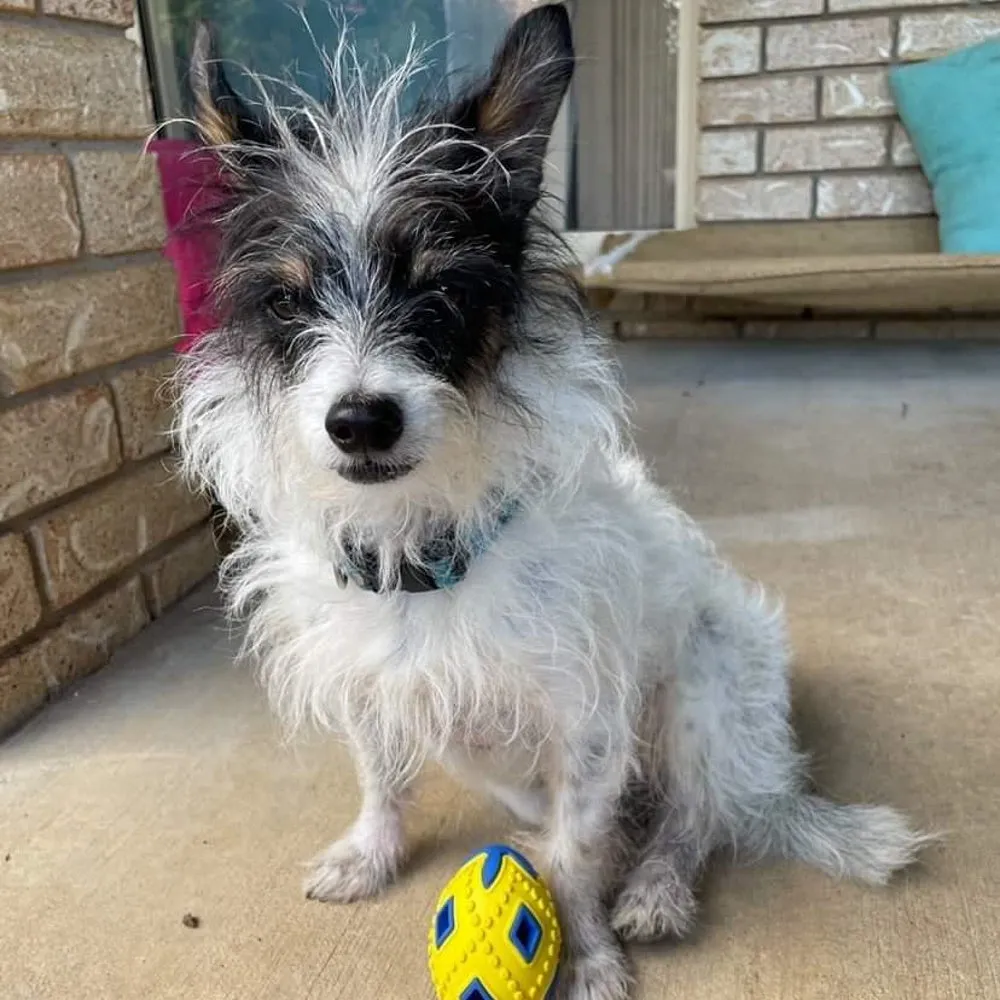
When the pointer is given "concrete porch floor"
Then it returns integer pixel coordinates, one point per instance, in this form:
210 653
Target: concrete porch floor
861 483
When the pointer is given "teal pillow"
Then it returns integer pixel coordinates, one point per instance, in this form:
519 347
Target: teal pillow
951 108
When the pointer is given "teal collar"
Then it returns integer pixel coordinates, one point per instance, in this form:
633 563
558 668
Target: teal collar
443 563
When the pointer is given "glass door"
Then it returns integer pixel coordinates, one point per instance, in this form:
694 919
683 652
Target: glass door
614 154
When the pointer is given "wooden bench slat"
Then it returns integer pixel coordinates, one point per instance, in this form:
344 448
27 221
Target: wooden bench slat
860 266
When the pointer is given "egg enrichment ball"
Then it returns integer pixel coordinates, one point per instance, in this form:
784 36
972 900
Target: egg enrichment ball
495 934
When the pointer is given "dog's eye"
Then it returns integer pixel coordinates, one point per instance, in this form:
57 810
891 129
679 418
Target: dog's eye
283 305
450 288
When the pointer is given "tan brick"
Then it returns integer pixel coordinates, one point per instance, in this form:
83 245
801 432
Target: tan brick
722 154
659 305
117 12
855 196
760 100
862 94
95 537
182 569
713 11
679 329
20 607
728 307
848 41
143 397
53 445
808 329
69 85
121 203
939 329
78 646
23 689
903 153
730 51
87 638
626 303
754 198
642 306
17 4
52 329
39 221
932 34
825 147
839 6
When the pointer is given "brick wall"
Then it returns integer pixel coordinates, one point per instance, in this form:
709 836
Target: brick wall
797 120
96 536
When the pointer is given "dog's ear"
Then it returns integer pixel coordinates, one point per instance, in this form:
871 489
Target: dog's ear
221 114
514 109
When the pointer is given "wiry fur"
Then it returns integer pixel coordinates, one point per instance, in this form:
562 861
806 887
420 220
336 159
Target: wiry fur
599 670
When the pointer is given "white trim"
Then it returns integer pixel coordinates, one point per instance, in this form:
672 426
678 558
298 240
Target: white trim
686 178
589 246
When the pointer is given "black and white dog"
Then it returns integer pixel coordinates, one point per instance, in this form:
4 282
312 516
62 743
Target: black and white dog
450 548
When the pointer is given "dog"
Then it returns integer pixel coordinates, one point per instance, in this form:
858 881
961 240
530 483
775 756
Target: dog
449 547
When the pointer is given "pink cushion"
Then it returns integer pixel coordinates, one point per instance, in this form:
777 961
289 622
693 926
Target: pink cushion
189 175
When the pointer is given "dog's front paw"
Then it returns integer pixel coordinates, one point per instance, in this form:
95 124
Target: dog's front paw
600 975
346 872
649 909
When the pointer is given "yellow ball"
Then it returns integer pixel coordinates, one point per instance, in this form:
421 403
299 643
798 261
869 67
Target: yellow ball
495 934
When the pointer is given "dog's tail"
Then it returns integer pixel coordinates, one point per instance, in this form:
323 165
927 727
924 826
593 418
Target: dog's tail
854 841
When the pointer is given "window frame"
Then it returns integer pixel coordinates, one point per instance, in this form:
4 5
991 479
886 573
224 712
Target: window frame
158 45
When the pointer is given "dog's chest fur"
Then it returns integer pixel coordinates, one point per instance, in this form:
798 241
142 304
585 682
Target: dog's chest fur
533 632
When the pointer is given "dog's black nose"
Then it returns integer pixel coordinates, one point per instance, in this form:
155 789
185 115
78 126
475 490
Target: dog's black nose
364 423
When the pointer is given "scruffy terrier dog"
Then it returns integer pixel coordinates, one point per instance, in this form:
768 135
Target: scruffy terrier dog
450 548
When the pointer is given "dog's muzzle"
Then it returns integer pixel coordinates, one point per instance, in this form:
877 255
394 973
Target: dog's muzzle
365 429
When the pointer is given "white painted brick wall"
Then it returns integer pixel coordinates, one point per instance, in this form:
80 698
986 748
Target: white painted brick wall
730 51
729 152
757 100
840 42
795 107
856 196
713 11
825 147
841 6
754 198
857 94
933 34
903 153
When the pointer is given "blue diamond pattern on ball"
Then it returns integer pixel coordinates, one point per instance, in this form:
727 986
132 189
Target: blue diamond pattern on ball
495 854
526 933
445 922
476 991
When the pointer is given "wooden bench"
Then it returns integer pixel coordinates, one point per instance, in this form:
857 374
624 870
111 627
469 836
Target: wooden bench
858 266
